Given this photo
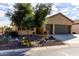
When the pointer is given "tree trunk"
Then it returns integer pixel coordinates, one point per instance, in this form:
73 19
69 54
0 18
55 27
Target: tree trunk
39 30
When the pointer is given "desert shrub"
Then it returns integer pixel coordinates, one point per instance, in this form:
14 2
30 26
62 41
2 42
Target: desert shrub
14 34
10 32
5 38
25 42
8 29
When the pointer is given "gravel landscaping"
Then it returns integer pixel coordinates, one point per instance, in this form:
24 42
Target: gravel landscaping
35 42
47 43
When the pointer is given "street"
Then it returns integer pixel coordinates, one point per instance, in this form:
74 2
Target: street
66 51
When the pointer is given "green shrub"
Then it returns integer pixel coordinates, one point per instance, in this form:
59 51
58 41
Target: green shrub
25 42
14 33
8 29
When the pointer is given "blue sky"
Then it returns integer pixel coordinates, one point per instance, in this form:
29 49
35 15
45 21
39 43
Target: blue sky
71 10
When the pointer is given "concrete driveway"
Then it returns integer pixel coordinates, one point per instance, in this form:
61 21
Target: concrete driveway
68 38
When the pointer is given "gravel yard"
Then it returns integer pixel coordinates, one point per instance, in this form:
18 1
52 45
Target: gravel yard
35 42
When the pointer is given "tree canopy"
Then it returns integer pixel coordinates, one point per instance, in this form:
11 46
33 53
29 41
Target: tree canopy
41 11
25 16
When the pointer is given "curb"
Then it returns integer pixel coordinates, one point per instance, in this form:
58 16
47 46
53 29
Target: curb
50 47
55 47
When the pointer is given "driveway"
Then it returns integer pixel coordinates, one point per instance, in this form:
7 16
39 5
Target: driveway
68 38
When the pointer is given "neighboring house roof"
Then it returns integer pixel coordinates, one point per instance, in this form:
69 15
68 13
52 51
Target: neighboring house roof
61 15
76 21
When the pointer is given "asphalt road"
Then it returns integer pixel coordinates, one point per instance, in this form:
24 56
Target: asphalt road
67 51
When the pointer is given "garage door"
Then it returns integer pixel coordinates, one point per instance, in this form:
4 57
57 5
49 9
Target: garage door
62 29
49 28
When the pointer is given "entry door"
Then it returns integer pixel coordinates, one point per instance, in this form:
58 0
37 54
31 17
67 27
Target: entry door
49 28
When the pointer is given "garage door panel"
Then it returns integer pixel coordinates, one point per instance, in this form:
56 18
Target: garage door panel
62 29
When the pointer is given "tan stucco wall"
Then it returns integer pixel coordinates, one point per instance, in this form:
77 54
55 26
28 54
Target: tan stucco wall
59 20
75 28
1 29
25 32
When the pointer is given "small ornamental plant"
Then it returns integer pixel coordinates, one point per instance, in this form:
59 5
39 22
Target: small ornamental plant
25 42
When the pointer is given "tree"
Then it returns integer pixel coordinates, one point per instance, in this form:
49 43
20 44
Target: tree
25 17
22 13
27 23
41 11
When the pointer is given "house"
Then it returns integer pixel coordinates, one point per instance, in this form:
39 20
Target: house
21 31
58 24
1 30
55 24
75 27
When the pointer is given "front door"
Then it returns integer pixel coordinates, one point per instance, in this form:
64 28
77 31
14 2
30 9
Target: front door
49 28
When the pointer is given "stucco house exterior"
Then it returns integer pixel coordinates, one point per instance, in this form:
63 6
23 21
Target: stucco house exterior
75 27
58 24
20 30
55 24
